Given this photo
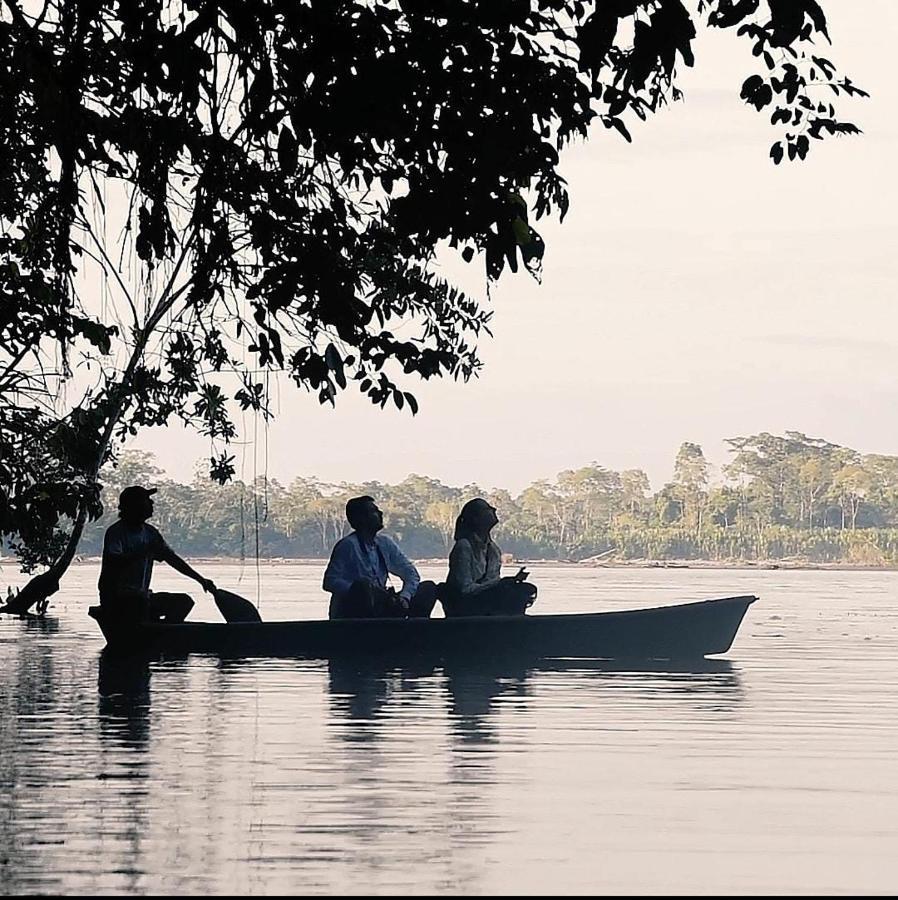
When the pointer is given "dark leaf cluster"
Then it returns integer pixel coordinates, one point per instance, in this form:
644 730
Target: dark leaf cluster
291 170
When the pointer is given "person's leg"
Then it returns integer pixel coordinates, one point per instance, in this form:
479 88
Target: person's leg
126 605
365 601
424 600
511 598
358 601
460 605
337 607
507 598
171 608
449 602
386 604
526 593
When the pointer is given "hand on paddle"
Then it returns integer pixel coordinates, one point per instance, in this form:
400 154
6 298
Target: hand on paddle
208 585
522 575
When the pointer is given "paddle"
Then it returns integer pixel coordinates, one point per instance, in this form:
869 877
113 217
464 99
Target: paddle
235 608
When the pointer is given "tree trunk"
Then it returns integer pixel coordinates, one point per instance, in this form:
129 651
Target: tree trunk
71 69
41 587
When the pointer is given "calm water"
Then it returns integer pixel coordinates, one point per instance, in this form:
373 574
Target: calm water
774 771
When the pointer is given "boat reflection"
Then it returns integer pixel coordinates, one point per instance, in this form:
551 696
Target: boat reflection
361 688
391 717
425 747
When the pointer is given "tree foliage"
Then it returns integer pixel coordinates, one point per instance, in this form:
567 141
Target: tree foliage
194 194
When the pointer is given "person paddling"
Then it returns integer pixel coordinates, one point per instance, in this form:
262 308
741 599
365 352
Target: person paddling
361 564
130 547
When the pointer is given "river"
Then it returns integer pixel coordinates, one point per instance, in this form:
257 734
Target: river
770 770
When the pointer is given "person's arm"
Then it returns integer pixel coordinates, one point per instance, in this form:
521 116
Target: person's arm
339 574
461 570
400 565
164 553
493 563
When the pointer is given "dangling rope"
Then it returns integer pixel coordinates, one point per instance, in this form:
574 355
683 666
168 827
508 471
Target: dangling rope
256 507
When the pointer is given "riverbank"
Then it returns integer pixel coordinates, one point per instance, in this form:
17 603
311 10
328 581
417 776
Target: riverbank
784 564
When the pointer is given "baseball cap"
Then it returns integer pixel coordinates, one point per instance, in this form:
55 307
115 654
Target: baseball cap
134 494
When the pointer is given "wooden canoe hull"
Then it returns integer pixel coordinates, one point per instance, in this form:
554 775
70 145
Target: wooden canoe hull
688 630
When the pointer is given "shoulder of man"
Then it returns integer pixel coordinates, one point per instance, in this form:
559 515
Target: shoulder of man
154 536
114 533
115 527
386 543
345 543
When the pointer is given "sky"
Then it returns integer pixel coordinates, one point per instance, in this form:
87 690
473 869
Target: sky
695 292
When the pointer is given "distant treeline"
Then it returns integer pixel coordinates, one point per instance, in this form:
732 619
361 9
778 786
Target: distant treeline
781 497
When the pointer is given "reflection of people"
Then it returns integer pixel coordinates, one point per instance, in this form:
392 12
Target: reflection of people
474 691
123 689
361 686
130 547
358 691
360 565
473 586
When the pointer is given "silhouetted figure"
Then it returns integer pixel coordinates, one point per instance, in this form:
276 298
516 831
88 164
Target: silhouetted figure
473 586
361 564
130 547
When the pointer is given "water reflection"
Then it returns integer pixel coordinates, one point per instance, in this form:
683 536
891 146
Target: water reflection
500 716
475 688
39 625
274 776
474 692
358 692
435 753
28 700
123 700
360 689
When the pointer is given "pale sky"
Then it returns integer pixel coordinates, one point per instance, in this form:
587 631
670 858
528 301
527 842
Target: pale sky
695 292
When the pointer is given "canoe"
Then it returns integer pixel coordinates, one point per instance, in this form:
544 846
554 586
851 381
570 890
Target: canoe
688 630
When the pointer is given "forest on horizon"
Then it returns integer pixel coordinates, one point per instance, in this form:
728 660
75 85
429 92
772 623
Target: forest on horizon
782 497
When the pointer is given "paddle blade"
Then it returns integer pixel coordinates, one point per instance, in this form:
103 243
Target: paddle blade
235 608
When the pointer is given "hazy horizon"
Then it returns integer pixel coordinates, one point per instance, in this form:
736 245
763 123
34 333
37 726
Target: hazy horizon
695 292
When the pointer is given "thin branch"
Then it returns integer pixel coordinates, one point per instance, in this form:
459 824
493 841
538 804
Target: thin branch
169 296
85 226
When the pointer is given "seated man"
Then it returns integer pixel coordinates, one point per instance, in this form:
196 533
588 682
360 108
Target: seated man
130 547
360 565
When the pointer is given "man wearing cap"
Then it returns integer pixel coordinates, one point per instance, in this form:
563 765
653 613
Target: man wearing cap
130 547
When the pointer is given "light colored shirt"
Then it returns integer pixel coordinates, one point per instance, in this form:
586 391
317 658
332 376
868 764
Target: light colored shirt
473 566
128 556
353 560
